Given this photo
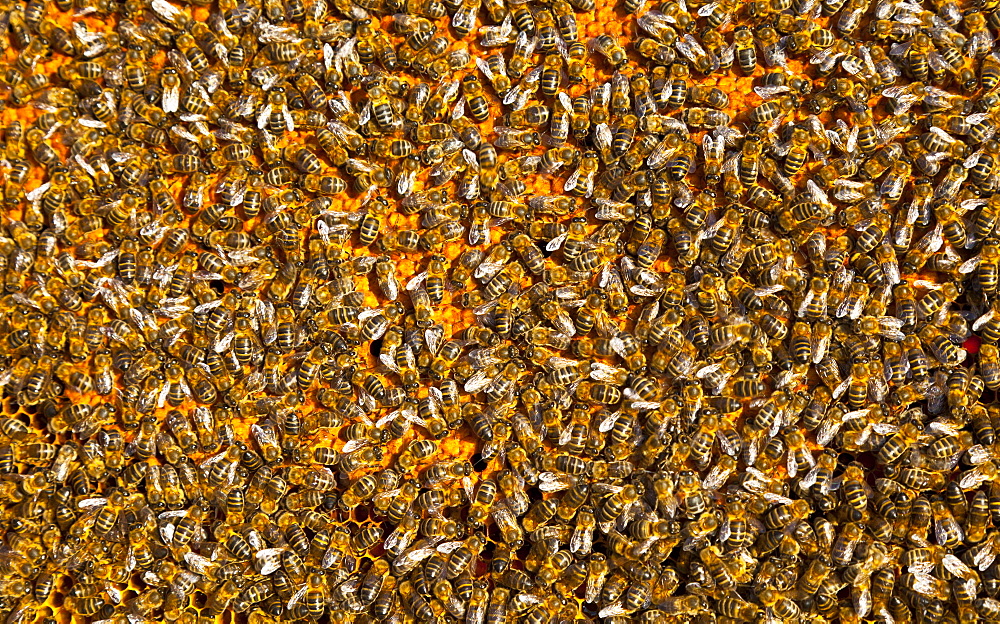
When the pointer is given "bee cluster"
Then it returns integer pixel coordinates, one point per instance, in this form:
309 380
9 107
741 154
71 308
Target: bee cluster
476 311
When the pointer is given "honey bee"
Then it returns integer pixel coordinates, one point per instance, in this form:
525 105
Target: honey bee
705 117
464 20
581 181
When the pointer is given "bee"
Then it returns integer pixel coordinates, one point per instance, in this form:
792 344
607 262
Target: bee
935 300
713 97
472 90
464 19
608 47
769 111
371 223
494 67
706 117
623 135
746 53
442 97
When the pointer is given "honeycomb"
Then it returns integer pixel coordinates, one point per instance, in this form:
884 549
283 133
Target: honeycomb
493 312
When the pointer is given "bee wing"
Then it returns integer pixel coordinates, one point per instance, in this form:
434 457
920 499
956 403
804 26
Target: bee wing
564 323
972 159
662 153
619 81
614 609
823 56
984 558
556 242
353 445
563 98
978 454
603 372
36 194
689 47
478 233
714 148
610 211
565 436
224 342
609 422
943 427
731 162
449 547
417 281
386 419
655 22
852 140
571 183
603 137
433 337
262 116
512 94
707 370
980 42
828 429
485 67
388 360
459 109
820 347
265 436
470 159
618 346
890 327
384 497
852 65
269 560
404 185
92 503
478 381
862 598
706 10
502 515
716 478
162 398
977 118
488 269
601 95
86 122
399 540
198 563
581 541
414 556
937 61
164 9
366 400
